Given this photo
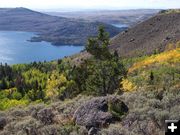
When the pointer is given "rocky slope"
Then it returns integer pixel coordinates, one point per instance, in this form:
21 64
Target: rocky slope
58 30
149 36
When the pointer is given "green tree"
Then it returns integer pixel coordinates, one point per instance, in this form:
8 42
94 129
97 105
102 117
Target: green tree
151 77
104 77
101 74
98 46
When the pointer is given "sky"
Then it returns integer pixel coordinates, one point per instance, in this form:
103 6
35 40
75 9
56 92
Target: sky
90 4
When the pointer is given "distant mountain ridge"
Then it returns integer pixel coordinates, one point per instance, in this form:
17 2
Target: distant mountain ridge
57 30
128 17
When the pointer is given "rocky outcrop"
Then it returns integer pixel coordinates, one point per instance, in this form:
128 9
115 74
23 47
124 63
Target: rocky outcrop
99 112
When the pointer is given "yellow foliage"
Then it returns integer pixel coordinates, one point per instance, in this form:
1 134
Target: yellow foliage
171 57
127 85
55 83
10 91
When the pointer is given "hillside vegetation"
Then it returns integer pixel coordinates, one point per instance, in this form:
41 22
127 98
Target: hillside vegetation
43 82
103 95
158 71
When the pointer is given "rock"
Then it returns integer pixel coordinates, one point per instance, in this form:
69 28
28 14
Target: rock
167 38
124 31
117 108
96 113
93 131
46 116
131 40
3 122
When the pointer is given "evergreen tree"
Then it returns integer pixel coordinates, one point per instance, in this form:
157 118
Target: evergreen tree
101 74
151 78
98 46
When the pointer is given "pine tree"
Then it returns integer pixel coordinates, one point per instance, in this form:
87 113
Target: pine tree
105 70
98 46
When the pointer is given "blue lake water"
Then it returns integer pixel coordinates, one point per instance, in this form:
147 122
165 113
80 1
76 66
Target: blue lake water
15 48
120 25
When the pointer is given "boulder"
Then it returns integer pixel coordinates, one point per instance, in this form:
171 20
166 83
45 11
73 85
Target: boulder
98 112
3 122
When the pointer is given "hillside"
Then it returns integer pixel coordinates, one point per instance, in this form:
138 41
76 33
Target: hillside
102 95
150 36
150 95
57 30
116 17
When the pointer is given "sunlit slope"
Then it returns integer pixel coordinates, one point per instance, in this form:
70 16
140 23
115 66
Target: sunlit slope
156 71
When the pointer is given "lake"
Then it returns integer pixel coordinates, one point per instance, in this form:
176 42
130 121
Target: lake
15 48
119 25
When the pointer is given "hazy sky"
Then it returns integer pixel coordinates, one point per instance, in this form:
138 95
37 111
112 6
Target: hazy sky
90 4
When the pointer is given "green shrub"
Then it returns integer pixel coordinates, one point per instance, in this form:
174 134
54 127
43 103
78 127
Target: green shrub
8 103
